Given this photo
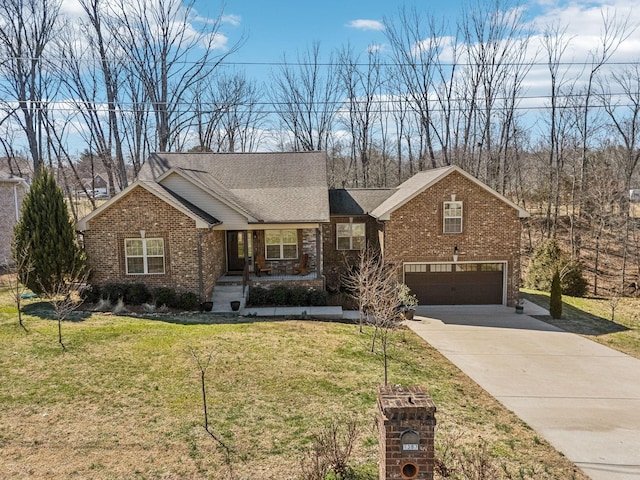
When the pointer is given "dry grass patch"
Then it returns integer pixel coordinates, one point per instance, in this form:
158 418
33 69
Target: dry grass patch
124 401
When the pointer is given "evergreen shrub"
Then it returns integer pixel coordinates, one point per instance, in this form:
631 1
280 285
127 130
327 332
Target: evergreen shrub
545 261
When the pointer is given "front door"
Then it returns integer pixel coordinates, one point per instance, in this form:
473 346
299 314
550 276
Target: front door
236 250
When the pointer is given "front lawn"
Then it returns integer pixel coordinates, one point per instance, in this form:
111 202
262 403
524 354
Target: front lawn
124 400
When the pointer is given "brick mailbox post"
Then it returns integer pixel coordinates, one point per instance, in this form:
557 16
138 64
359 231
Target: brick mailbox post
406 424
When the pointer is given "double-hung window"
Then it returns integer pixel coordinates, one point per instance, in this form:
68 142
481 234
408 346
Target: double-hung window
350 236
144 256
452 217
281 244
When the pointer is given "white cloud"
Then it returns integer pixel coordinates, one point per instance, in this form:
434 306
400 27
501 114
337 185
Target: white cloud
231 19
376 47
362 24
72 8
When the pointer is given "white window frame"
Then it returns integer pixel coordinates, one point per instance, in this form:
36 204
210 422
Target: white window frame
447 215
350 236
145 256
282 244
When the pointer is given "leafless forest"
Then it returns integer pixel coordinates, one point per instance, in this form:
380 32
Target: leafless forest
555 133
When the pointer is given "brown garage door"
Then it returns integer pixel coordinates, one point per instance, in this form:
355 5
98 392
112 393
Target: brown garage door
456 284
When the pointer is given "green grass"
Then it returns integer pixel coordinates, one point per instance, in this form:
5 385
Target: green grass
124 400
591 317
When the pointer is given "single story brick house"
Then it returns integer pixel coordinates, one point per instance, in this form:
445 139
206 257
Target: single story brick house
12 192
191 219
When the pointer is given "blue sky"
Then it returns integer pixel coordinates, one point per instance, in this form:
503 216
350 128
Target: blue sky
273 28
277 27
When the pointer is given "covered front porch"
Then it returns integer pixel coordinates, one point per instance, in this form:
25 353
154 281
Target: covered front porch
278 253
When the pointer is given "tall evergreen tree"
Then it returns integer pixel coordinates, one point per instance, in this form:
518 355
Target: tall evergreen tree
45 234
555 302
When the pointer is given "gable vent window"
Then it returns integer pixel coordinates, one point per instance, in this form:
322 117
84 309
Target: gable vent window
144 256
452 217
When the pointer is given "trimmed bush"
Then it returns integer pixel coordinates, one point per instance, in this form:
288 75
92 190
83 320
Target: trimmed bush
298 296
136 294
165 296
189 301
113 291
287 296
92 294
317 298
279 295
258 296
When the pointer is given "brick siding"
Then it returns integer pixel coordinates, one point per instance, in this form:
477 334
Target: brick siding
491 229
401 409
338 258
141 210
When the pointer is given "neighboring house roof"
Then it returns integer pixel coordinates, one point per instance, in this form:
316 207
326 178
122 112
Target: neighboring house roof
265 187
16 167
422 181
4 178
202 219
357 201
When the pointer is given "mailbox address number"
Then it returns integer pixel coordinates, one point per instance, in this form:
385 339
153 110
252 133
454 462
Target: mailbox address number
409 442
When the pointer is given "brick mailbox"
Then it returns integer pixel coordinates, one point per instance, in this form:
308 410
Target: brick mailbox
406 424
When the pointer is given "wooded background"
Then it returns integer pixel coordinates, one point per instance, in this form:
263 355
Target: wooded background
133 77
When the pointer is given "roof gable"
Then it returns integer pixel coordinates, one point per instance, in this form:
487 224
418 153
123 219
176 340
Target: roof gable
202 218
421 181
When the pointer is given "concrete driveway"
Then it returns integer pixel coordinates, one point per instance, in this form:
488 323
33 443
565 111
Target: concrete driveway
582 397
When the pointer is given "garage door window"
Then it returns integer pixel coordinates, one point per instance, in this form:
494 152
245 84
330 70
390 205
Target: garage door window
440 267
466 267
491 267
452 217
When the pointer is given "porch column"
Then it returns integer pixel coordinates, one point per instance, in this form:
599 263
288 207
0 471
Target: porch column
245 269
319 258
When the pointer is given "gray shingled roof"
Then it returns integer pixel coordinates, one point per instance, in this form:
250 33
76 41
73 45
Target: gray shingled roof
423 180
356 201
271 187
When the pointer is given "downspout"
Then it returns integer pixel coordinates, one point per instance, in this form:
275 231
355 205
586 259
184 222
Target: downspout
319 256
200 279
245 268
15 201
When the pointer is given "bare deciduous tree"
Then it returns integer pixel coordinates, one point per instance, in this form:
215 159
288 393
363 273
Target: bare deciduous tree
203 367
623 111
65 296
373 283
27 28
306 99
361 85
169 53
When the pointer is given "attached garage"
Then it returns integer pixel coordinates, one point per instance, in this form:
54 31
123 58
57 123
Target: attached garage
476 283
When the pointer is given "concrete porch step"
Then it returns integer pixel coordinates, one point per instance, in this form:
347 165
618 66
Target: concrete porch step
223 295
